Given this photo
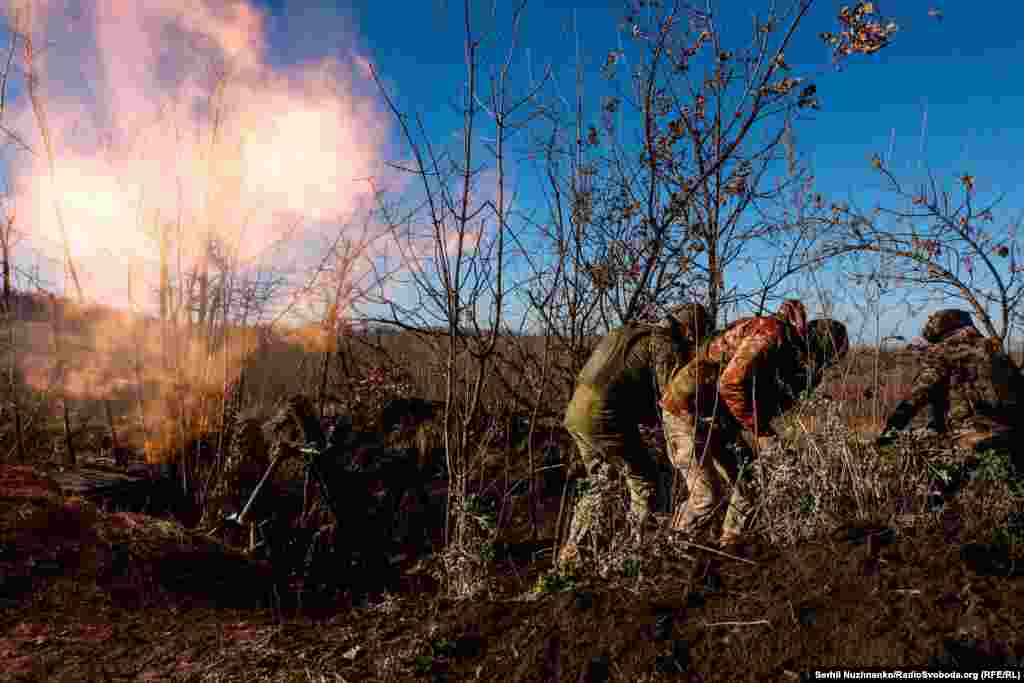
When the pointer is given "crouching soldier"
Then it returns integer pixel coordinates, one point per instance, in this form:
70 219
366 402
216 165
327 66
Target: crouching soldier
744 377
617 390
970 386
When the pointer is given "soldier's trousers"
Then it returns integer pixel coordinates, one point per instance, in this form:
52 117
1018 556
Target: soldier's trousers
714 460
608 445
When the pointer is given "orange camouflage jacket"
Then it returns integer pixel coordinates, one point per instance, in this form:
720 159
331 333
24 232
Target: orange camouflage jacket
760 372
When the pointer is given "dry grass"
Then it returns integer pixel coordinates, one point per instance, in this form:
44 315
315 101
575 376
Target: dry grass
828 474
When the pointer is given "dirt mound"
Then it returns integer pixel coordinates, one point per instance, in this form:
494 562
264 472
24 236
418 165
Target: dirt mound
48 540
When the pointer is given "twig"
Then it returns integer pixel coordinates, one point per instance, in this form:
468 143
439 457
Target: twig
717 552
756 622
58 314
559 534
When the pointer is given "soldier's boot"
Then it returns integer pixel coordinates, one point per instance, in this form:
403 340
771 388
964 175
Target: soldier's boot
568 556
691 451
579 527
737 545
642 495
589 517
697 527
696 515
737 515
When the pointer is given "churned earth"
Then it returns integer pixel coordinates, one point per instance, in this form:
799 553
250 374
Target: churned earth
87 595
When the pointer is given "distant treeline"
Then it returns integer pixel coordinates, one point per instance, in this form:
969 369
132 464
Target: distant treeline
39 307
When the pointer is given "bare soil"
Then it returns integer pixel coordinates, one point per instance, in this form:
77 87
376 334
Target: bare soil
87 595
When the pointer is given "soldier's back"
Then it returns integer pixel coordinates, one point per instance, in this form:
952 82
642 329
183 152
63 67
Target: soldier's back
983 380
611 357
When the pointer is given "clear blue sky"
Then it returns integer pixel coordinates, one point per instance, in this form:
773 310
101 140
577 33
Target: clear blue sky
963 70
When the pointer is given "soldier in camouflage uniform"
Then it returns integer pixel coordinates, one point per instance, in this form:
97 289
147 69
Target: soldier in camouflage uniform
617 390
245 461
744 377
968 383
380 499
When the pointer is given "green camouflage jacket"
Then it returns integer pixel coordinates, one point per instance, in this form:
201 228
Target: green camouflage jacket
626 372
968 380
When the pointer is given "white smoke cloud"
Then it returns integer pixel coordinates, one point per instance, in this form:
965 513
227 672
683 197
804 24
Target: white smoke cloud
169 111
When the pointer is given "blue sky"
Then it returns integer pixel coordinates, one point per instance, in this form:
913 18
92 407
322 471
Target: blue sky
958 75
960 72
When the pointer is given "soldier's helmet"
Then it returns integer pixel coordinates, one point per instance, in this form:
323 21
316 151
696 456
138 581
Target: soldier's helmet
693 320
794 312
827 342
943 323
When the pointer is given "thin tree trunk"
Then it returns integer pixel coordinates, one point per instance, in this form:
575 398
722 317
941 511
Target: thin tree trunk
165 271
116 452
204 292
532 492
32 86
19 431
58 314
10 318
8 308
308 484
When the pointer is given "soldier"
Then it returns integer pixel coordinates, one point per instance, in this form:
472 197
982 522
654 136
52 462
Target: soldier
617 390
744 377
245 461
970 385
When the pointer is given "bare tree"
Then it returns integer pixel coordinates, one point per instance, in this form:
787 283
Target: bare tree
22 30
936 244
717 125
459 264
9 314
690 173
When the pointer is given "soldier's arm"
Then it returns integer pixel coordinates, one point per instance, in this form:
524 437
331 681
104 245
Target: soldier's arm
735 383
664 357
